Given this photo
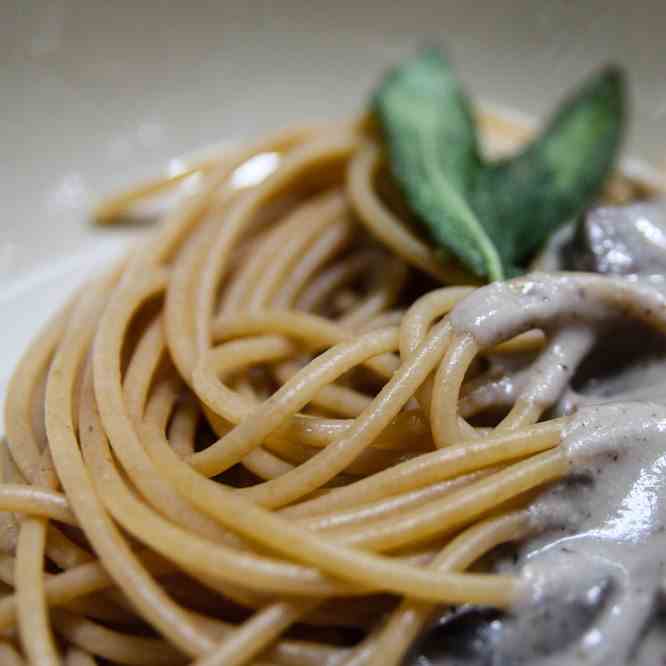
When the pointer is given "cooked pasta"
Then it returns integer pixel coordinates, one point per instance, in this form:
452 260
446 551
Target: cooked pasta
252 440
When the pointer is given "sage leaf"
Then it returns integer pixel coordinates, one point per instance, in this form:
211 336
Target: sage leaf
522 200
434 155
494 216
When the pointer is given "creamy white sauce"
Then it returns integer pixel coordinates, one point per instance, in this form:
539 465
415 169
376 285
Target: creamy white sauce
622 240
502 310
607 531
644 380
594 574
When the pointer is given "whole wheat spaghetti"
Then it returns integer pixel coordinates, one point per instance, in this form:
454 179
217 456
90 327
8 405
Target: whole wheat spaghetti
251 441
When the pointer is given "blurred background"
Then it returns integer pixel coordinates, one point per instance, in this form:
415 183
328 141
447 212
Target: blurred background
94 94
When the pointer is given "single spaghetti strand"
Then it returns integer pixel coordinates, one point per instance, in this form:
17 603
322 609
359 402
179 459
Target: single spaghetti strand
77 657
256 633
446 427
113 645
35 501
34 625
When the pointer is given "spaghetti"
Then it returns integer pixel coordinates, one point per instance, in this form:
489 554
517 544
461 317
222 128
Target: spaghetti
254 429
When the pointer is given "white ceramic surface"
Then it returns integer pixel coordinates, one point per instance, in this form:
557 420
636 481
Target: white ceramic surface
95 94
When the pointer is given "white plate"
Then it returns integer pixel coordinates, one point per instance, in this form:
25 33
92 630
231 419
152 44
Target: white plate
96 94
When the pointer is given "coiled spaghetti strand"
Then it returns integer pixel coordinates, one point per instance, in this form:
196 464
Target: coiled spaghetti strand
123 566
